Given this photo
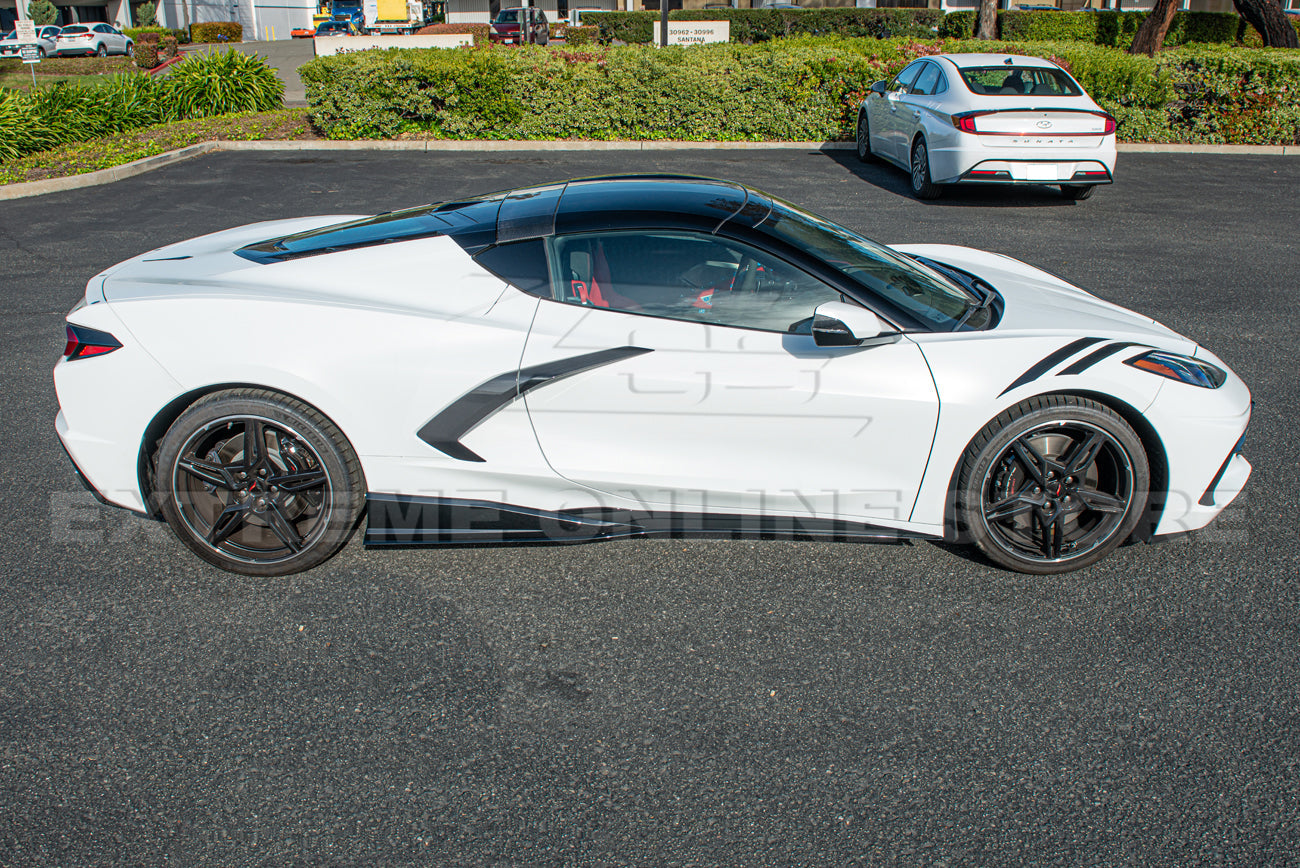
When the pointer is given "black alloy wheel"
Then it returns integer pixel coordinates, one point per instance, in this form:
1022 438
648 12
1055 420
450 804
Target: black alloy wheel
257 483
1053 485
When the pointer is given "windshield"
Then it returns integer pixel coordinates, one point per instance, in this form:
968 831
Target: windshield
508 16
898 279
1019 81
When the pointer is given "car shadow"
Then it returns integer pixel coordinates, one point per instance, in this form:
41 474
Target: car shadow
890 178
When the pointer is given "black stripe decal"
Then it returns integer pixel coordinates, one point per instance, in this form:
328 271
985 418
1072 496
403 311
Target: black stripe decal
1050 362
1096 356
443 431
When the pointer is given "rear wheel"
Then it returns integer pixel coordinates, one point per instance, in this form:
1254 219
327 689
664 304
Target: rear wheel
1076 192
1052 485
102 51
864 138
257 483
921 184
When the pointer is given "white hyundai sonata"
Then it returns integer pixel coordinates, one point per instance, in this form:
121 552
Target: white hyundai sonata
988 119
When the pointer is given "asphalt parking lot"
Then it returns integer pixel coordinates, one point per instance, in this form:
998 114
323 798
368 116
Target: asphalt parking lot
661 702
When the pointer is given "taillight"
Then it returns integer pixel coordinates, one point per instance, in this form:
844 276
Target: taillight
965 122
1110 123
83 342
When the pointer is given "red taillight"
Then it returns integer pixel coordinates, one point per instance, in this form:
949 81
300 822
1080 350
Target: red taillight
83 342
965 122
1110 124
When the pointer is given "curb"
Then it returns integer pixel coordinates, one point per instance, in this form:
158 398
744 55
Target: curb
148 164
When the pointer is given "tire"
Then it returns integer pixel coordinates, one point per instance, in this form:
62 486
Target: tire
1076 192
130 46
863 138
40 52
921 184
1052 485
102 50
281 512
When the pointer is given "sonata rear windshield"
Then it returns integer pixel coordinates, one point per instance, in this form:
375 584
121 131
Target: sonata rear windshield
900 280
1019 81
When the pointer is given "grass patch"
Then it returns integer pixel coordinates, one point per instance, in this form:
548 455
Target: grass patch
68 66
23 80
82 157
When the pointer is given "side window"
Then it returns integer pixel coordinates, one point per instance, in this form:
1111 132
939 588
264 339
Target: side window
926 81
904 79
941 86
684 276
522 264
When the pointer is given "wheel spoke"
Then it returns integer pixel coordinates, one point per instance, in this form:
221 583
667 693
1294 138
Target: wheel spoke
1033 462
209 472
1017 504
231 519
282 528
1084 454
1099 501
1052 533
302 480
254 442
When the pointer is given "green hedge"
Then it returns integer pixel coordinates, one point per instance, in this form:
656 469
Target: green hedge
139 34
793 89
760 25
217 31
1100 28
583 35
205 85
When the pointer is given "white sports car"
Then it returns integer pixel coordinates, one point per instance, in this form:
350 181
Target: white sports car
632 356
988 119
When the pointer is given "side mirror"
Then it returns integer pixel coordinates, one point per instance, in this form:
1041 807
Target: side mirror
878 87
837 324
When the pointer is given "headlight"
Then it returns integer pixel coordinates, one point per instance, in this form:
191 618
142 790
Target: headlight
1184 369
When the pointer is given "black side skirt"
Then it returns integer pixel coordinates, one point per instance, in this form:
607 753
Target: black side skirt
397 520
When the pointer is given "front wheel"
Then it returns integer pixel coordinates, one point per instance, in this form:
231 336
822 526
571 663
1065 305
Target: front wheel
1077 192
1052 485
921 183
257 483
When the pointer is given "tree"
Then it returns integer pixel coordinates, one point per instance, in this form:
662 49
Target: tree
1151 35
1267 17
986 25
146 15
42 12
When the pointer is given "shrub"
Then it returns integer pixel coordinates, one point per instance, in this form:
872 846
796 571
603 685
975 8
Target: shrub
478 31
218 83
585 35
145 34
1103 27
217 31
146 52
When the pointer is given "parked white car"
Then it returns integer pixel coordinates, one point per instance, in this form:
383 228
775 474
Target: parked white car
97 39
988 119
45 42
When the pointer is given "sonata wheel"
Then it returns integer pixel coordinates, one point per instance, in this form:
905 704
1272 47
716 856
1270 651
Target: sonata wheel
921 184
258 484
1053 485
